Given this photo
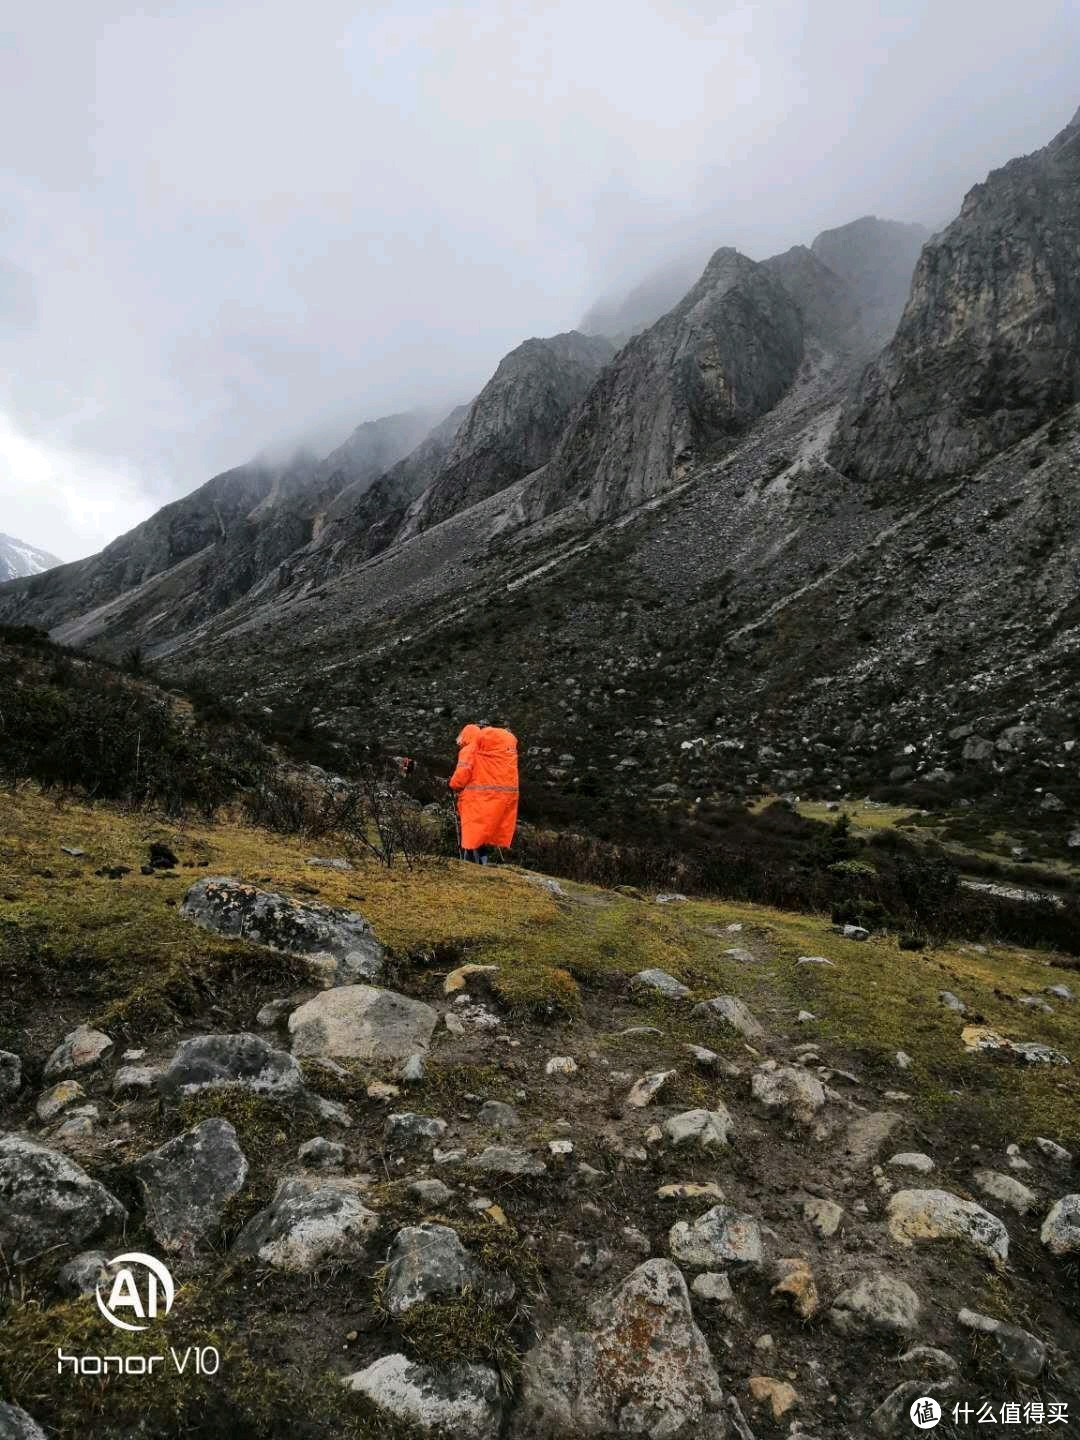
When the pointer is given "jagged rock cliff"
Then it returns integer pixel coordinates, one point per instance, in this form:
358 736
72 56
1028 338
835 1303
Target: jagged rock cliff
18 559
827 304
514 423
724 355
989 344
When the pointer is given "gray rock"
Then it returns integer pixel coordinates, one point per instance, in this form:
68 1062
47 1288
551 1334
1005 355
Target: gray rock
412 1070
824 1215
645 1370
865 1137
501 1160
10 1075
361 1022
310 1223
1022 1354
244 1061
81 1050
880 1302
16 1424
730 1010
952 1002
1060 1231
1060 992
892 1416
915 1215
273 1012
1053 1151
430 1192
136 1079
705 1129
789 1090
495 1115
921 1356
428 1262
663 982
229 907
459 1400
719 1237
333 862
83 1274
1004 1188
713 1286
912 1160
407 1131
188 1181
741 956
854 932
51 1102
49 1201
321 1154
644 1090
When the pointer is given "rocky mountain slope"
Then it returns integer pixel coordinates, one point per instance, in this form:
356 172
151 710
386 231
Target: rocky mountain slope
201 553
730 574
641 1166
17 559
989 346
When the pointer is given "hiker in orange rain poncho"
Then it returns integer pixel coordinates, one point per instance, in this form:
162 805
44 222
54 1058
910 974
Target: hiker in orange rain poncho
486 784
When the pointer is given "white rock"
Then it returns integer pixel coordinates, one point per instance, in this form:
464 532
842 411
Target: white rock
705 1129
719 1237
462 1400
912 1160
645 1089
361 1022
561 1065
1004 1188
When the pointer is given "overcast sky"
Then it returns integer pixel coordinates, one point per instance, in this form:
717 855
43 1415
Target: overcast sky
224 225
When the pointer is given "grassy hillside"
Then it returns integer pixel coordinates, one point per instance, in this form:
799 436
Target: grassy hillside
76 945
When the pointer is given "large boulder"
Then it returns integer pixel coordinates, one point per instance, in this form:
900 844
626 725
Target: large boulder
428 1262
310 1223
1022 1354
343 937
187 1183
645 1370
362 1022
243 1061
460 1400
47 1200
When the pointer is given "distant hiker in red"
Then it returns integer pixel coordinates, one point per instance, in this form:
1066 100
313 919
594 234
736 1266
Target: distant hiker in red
486 783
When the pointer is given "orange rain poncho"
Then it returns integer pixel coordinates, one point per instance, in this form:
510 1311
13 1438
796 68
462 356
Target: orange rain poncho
486 780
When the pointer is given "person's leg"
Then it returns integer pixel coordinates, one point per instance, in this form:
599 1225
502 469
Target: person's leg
482 854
